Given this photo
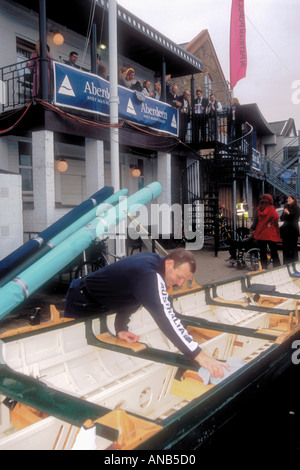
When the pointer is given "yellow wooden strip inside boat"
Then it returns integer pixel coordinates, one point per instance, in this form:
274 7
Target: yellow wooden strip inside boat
22 416
132 430
201 335
270 301
109 339
54 320
288 334
187 286
190 387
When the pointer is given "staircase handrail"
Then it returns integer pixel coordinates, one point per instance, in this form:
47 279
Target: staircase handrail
290 144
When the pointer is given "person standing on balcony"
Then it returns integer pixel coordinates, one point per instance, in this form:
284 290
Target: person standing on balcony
146 88
234 122
267 230
34 66
289 231
213 108
101 69
73 56
156 92
129 80
184 115
200 105
173 97
122 76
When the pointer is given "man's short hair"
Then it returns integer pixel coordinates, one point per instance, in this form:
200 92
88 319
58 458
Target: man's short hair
181 256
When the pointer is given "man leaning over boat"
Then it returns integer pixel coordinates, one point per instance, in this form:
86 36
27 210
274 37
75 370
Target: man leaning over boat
141 279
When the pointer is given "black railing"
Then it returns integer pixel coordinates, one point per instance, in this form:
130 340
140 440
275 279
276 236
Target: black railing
230 160
20 83
17 84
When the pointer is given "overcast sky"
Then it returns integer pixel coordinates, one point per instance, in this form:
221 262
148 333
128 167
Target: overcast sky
273 41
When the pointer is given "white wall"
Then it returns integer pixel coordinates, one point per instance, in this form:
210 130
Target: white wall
16 21
11 224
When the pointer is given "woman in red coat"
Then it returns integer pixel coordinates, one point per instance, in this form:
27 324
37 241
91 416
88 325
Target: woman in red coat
267 230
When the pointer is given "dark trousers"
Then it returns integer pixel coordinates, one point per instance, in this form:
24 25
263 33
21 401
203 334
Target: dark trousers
263 247
199 127
78 301
245 244
184 121
289 247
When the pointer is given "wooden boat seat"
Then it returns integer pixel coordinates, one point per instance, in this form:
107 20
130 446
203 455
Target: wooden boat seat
270 301
110 339
191 386
55 319
132 430
280 278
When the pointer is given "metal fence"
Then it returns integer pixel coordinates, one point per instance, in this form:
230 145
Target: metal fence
19 83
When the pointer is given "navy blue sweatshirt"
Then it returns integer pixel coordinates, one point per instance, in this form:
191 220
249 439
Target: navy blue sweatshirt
134 281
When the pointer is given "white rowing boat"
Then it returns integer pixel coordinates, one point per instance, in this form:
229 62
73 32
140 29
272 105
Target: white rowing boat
69 380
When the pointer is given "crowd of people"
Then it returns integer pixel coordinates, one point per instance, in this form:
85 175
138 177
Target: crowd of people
266 232
204 111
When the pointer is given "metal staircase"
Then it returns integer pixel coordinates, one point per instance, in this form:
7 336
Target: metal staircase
284 176
227 163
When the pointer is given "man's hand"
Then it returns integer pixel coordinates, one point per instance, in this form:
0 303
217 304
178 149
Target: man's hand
128 336
215 367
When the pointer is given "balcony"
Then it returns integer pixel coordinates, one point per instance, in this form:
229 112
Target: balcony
16 85
20 85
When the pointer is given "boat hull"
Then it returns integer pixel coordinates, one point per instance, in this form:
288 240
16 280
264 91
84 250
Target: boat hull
74 372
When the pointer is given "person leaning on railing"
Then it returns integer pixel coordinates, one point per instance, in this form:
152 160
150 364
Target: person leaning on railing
34 66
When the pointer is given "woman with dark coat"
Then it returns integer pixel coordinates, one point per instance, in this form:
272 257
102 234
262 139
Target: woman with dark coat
289 231
267 230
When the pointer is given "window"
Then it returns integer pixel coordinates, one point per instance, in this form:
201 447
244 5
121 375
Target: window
25 169
24 49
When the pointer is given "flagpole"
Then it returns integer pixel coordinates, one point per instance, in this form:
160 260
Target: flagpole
114 98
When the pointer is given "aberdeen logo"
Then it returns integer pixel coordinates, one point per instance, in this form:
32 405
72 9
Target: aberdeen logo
130 108
66 87
174 123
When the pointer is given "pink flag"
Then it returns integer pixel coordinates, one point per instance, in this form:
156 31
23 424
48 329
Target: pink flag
238 52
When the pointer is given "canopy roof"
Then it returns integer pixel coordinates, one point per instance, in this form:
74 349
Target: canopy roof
136 39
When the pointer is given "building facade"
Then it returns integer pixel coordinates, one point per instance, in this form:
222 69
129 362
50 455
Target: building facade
37 134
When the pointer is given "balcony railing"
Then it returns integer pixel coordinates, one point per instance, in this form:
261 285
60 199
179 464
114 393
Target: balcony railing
16 85
20 84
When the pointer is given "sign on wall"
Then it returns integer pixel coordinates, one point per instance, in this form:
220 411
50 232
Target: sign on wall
84 91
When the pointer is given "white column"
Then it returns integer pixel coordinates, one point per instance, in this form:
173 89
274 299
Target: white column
164 177
164 201
94 165
4 154
43 179
11 221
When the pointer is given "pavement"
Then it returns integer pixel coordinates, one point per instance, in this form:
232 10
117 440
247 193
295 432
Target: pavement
211 268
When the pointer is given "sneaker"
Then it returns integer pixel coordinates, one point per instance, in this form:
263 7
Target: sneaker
230 259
